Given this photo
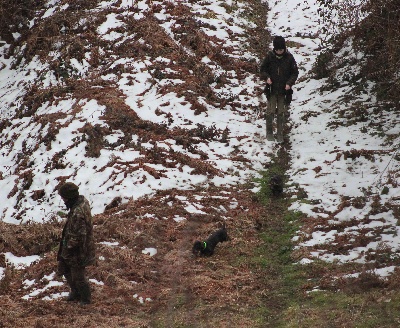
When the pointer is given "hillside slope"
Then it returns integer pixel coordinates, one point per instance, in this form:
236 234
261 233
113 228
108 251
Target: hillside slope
126 98
153 105
153 108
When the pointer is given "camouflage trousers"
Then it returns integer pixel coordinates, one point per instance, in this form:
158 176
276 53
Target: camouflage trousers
77 281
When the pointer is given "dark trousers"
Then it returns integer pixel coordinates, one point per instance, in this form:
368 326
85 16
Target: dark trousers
276 108
276 105
76 279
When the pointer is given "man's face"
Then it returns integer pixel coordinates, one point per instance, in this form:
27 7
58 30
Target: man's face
279 51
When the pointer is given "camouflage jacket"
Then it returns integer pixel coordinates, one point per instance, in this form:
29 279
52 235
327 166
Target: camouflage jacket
77 243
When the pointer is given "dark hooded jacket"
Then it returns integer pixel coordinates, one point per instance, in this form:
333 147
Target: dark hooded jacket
281 70
77 244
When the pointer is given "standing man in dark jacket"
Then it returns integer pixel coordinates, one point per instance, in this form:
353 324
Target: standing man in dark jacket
77 245
279 70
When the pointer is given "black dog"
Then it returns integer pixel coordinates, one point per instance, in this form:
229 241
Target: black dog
276 184
206 247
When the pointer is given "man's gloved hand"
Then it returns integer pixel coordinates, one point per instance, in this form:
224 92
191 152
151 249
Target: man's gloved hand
267 91
288 96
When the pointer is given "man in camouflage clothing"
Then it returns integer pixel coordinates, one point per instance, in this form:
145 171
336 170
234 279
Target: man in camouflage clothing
77 245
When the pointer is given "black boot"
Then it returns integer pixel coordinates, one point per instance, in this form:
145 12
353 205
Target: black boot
73 296
74 293
86 295
279 122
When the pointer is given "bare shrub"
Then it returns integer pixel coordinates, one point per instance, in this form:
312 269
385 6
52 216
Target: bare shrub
362 282
366 281
94 138
6 281
14 15
375 28
30 238
114 203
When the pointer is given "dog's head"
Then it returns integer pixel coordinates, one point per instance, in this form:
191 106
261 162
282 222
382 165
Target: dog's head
223 234
198 246
276 184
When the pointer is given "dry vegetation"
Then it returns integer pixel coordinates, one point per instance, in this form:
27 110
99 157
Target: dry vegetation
377 36
251 280
72 34
182 289
177 289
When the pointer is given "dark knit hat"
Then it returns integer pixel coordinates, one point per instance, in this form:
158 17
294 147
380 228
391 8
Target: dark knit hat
279 43
69 190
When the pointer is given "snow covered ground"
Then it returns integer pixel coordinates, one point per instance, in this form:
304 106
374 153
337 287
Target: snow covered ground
322 142
321 150
42 149
100 179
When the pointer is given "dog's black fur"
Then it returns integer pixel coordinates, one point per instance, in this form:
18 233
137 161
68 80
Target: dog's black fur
276 185
206 247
